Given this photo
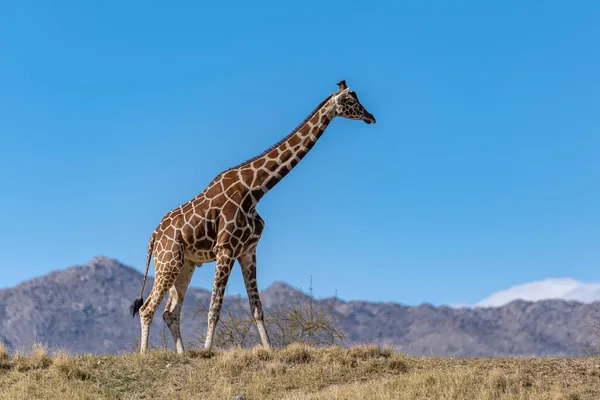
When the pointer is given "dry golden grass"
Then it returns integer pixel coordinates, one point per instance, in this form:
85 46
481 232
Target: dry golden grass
295 372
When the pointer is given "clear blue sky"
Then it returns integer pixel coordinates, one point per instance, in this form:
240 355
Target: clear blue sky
482 171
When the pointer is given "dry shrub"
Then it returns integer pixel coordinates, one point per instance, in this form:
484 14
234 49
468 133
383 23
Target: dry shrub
429 380
302 320
397 363
373 357
67 365
36 359
200 353
497 381
62 359
333 354
234 361
39 354
366 352
234 328
262 354
276 368
572 396
296 353
525 379
238 357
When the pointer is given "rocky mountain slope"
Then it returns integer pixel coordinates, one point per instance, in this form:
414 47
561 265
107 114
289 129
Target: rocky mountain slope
86 309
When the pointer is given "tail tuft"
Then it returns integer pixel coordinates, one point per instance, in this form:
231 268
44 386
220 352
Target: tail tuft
135 307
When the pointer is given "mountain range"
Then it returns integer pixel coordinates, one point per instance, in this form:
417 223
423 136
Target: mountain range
85 309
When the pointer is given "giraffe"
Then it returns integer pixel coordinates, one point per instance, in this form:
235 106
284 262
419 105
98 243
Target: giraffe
221 224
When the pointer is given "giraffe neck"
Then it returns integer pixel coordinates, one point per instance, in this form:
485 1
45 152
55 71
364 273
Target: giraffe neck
274 164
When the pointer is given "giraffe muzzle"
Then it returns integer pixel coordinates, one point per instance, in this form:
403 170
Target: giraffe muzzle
369 118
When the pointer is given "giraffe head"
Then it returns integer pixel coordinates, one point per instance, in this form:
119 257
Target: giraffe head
348 106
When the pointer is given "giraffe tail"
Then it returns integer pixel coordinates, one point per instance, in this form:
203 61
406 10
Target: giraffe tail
137 303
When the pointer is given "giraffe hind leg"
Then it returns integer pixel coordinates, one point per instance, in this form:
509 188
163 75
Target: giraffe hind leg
172 313
147 313
167 271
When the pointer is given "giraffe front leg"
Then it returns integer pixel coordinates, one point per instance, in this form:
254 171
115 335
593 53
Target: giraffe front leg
248 263
225 262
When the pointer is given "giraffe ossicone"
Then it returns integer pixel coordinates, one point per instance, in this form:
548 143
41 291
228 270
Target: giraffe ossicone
221 224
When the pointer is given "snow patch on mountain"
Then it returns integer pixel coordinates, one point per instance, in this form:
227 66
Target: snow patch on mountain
552 288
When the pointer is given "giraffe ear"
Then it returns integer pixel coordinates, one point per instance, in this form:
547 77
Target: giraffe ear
342 85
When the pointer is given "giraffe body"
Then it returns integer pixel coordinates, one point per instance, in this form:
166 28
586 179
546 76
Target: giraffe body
221 224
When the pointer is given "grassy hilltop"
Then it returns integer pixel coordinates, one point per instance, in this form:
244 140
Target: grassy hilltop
295 372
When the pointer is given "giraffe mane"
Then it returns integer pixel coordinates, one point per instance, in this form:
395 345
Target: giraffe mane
282 140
